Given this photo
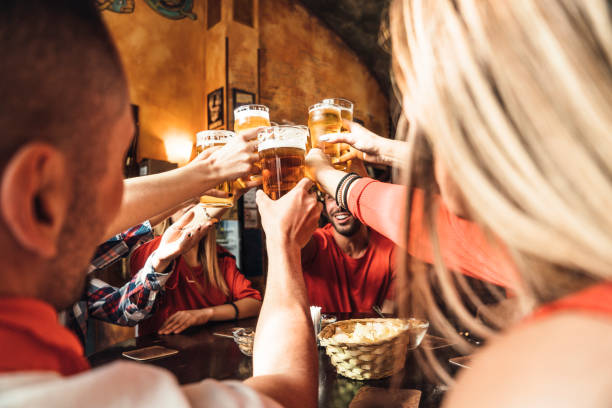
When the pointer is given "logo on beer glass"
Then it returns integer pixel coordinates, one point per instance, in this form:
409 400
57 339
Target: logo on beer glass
207 139
282 150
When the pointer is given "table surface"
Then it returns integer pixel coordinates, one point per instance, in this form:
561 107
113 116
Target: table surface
204 355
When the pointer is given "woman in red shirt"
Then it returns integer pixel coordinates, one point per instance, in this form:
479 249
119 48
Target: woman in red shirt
202 283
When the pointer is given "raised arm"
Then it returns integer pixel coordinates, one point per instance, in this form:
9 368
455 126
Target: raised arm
381 206
285 364
145 197
369 146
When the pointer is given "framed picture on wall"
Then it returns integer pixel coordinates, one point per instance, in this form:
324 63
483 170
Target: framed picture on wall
241 97
214 108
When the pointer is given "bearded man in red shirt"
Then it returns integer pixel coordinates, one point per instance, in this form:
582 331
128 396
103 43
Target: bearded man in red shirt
347 266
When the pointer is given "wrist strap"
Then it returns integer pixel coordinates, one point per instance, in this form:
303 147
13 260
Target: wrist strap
235 310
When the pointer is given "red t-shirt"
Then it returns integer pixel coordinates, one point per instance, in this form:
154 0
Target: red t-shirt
181 291
31 339
339 283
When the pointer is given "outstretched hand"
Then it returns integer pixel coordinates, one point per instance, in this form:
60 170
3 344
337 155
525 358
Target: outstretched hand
365 145
181 236
292 219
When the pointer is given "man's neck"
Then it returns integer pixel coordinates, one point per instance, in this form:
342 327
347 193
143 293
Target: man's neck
355 245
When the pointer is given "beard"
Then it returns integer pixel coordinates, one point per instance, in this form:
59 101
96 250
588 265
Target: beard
349 229
80 235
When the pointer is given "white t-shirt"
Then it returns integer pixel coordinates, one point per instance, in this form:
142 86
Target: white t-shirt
124 384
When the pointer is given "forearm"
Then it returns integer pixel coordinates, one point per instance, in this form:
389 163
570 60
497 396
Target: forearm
247 307
394 152
285 348
148 196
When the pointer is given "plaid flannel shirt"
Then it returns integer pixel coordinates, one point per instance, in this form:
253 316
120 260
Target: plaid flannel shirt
128 304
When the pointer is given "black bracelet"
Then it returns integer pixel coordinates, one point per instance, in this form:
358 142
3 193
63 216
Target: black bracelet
346 190
339 187
235 309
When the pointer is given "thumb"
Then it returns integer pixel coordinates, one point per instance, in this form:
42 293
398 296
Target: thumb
261 199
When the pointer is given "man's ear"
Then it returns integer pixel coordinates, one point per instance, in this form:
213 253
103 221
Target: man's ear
34 197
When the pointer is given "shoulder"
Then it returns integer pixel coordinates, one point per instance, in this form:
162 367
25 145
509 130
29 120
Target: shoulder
126 380
223 253
561 361
380 241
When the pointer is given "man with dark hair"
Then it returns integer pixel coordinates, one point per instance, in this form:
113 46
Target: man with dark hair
66 126
347 266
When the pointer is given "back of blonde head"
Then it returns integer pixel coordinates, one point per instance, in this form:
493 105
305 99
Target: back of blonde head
515 98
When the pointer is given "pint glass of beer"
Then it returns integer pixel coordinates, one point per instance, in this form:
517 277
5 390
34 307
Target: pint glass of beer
282 150
324 118
346 112
250 116
205 140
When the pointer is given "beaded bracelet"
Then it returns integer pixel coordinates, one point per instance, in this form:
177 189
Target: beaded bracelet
347 186
339 187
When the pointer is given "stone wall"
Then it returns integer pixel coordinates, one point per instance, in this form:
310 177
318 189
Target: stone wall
303 61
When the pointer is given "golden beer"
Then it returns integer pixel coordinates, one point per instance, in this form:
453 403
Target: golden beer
206 140
250 116
324 118
346 112
282 151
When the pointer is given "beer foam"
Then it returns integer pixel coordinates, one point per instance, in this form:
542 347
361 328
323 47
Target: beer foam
279 143
254 112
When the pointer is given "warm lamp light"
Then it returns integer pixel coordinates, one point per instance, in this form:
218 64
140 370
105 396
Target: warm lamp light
178 148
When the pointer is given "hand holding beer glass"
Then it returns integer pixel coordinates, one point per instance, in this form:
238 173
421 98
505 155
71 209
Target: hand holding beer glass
208 139
325 118
248 117
346 113
281 152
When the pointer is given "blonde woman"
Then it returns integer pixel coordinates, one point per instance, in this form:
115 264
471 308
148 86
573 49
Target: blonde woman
199 280
514 99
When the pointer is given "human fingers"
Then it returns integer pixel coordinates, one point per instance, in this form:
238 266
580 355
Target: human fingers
250 134
213 192
205 154
169 321
185 219
175 323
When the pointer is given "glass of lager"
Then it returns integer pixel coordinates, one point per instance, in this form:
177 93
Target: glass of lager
248 117
282 151
346 112
205 140
324 118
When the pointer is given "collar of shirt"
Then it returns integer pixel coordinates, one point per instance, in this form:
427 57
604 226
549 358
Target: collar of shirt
31 338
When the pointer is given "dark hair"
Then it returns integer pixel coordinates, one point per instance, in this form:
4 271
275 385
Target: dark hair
61 79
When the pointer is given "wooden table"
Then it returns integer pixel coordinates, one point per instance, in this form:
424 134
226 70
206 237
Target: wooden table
203 355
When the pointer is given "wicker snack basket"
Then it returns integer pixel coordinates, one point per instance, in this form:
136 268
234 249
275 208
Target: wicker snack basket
372 360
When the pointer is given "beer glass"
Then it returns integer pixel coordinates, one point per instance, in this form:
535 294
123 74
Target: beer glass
282 151
248 117
346 112
205 140
324 118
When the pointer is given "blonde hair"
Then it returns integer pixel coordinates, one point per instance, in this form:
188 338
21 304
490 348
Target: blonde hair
207 254
515 98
